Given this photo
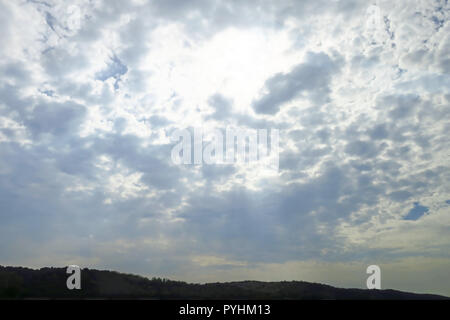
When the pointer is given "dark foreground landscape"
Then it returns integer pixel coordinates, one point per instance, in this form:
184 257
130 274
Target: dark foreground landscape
25 283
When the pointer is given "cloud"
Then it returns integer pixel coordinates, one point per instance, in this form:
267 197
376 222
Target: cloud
222 107
56 118
363 149
416 212
311 78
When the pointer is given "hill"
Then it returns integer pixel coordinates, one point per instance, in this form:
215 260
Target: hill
25 283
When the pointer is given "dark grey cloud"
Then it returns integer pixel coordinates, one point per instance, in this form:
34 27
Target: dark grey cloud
17 72
379 132
222 107
400 196
159 121
56 118
311 78
401 106
154 162
60 62
365 149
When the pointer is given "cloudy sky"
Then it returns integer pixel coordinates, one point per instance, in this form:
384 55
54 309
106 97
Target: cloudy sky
90 92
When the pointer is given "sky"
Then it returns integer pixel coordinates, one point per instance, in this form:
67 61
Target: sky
90 92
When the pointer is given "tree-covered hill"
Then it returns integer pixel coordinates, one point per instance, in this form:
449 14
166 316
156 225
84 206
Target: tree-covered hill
20 283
